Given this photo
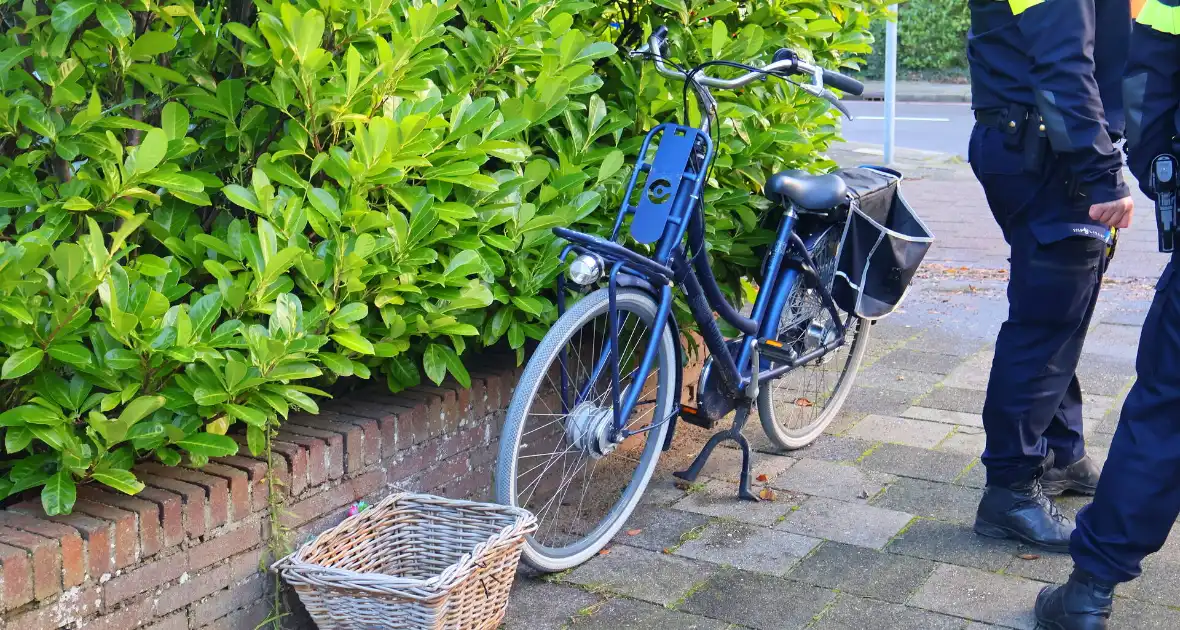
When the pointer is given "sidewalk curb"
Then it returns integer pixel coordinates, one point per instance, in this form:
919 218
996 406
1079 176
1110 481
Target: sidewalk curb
912 97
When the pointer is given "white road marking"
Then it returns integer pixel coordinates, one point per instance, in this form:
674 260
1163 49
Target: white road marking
905 118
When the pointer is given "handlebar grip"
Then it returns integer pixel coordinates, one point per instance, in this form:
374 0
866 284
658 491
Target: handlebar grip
843 83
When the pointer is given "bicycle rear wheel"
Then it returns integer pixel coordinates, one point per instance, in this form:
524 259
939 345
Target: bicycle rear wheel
796 407
557 460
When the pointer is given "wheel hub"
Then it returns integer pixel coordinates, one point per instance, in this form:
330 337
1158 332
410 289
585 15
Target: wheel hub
589 428
820 334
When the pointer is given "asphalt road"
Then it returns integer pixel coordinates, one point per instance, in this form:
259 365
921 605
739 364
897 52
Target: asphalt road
942 127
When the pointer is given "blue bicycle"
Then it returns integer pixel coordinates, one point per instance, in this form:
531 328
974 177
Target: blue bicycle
600 396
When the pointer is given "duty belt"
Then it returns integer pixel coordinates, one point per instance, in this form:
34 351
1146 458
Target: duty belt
1024 130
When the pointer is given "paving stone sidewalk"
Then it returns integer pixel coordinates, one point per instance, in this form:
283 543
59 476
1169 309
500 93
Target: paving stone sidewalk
871 526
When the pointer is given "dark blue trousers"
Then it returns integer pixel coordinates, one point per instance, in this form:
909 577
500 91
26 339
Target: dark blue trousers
1138 497
1034 400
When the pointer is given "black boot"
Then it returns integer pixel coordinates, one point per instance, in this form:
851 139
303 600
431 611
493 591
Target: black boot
1080 477
1024 513
1082 603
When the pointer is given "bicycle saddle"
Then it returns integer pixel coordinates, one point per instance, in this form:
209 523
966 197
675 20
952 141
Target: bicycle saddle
810 192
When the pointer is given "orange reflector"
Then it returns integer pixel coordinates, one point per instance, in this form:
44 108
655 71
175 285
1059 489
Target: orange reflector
772 343
689 410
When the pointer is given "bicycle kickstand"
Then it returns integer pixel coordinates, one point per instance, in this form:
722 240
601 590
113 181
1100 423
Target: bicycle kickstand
734 432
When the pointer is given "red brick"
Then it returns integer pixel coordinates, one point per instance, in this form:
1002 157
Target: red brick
216 490
147 513
337 498
388 414
227 601
98 534
239 488
73 553
334 441
62 612
317 456
352 437
16 587
374 432
179 621
450 410
441 476
130 615
461 442
125 527
201 585
295 461
249 564
160 570
256 469
171 507
225 544
191 496
45 555
249 617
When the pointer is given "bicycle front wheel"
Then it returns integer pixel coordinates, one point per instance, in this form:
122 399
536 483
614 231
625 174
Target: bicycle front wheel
556 457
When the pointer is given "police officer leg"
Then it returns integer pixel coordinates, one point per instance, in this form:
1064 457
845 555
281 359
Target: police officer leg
1050 292
1138 499
1073 470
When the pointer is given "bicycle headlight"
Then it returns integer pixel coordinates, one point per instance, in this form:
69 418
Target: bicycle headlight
586 269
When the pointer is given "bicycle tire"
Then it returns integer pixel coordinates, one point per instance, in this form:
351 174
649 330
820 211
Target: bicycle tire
536 554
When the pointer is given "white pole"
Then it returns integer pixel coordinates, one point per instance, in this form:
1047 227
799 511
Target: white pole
890 85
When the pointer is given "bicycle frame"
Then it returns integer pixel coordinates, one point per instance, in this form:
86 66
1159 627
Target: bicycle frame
680 164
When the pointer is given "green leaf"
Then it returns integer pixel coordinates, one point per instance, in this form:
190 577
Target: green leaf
149 154
610 165
294 370
249 415
174 120
13 200
455 366
139 409
21 363
176 182
122 480
353 341
350 313
209 445
152 265
115 19
255 440
17 439
74 354
151 44
720 37
59 494
68 15
26 414
435 363
208 397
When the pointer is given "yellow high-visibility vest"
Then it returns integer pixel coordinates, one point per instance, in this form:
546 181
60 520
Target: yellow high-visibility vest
1157 15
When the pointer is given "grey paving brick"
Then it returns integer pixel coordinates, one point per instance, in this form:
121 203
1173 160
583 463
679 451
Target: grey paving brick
980 596
642 574
910 359
863 571
878 400
953 399
843 421
833 480
1133 615
662 491
748 547
912 382
539 605
942 342
965 440
910 461
1105 375
972 374
953 543
974 478
628 613
851 523
896 430
1157 584
942 501
758 601
1112 341
726 464
944 416
834 448
659 528
1038 565
1096 406
719 498
856 613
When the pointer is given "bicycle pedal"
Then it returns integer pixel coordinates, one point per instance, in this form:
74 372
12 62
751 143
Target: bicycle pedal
775 351
693 416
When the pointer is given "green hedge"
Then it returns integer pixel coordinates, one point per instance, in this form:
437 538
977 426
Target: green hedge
211 211
931 38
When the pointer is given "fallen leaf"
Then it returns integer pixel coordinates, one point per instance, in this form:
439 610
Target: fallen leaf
763 478
681 484
802 402
1028 556
604 552
766 494
634 532
901 377
667 550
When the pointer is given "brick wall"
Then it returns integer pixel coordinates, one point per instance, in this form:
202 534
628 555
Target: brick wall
186 552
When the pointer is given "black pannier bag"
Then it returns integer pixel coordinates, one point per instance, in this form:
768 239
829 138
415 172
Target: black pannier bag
883 244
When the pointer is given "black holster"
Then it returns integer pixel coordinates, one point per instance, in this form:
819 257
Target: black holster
1024 131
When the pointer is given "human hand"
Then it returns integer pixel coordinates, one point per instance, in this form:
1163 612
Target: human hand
1115 214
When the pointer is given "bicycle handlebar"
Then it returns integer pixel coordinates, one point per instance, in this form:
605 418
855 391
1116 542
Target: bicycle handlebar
820 77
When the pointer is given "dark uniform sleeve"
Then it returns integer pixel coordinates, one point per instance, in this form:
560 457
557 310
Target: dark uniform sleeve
1059 36
1151 92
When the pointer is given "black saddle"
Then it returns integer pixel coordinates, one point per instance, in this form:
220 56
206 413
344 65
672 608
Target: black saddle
809 192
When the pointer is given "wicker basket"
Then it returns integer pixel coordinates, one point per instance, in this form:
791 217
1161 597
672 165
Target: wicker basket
412 561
